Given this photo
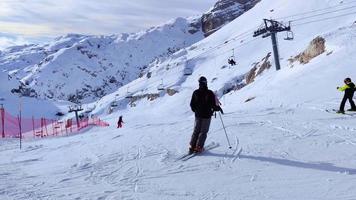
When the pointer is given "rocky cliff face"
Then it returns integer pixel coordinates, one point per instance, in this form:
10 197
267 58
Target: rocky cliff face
223 12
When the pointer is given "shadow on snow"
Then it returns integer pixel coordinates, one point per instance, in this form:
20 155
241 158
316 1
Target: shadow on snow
316 166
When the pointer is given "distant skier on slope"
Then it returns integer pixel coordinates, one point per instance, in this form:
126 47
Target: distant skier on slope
203 104
120 122
349 89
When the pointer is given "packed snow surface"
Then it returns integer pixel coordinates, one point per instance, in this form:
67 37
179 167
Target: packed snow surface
284 144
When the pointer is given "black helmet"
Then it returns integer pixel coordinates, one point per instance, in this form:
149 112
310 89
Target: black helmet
203 80
347 80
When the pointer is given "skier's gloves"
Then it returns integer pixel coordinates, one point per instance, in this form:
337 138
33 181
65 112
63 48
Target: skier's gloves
337 88
221 110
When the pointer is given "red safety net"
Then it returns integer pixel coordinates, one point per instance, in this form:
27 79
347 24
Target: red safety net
12 126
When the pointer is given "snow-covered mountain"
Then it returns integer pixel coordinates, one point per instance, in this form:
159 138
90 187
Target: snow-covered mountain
284 144
81 68
223 12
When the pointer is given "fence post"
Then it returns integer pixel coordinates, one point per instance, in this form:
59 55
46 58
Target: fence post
45 125
33 126
19 119
62 131
54 132
71 126
2 112
42 127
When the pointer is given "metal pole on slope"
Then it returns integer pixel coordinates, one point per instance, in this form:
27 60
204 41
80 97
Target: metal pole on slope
20 126
275 50
271 28
76 109
227 138
2 113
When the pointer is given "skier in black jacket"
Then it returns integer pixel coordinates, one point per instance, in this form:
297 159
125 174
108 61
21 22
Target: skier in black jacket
120 122
203 104
349 89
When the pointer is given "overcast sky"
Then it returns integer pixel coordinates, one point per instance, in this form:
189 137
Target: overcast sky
39 20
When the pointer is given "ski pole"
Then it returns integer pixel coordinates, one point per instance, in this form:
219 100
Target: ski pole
227 138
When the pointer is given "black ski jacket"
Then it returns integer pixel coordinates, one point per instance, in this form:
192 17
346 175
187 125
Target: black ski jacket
203 103
349 92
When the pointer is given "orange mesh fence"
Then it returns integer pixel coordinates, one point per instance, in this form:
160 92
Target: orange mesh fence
12 126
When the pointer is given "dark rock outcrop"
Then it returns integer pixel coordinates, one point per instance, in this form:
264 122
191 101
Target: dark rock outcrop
224 12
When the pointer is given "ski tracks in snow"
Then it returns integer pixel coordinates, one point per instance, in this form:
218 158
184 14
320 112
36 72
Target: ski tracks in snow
232 155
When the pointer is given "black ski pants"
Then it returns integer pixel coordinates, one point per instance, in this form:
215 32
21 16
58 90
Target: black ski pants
201 129
343 102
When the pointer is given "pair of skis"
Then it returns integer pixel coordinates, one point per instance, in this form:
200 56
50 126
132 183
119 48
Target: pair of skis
208 147
334 111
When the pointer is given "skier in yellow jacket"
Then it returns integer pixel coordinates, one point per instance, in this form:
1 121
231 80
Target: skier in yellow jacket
349 89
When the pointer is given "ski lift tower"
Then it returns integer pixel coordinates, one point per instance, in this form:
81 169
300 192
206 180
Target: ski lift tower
76 109
271 28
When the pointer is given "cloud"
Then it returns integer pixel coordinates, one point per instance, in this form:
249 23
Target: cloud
8 40
48 18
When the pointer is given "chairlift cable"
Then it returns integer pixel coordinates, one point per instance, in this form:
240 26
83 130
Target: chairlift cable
245 35
325 19
315 11
321 14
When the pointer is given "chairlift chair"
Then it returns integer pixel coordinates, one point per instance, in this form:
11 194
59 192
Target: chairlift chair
161 86
88 111
128 94
290 36
188 72
114 104
232 59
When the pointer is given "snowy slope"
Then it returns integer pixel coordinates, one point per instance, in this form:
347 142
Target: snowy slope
94 65
291 147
